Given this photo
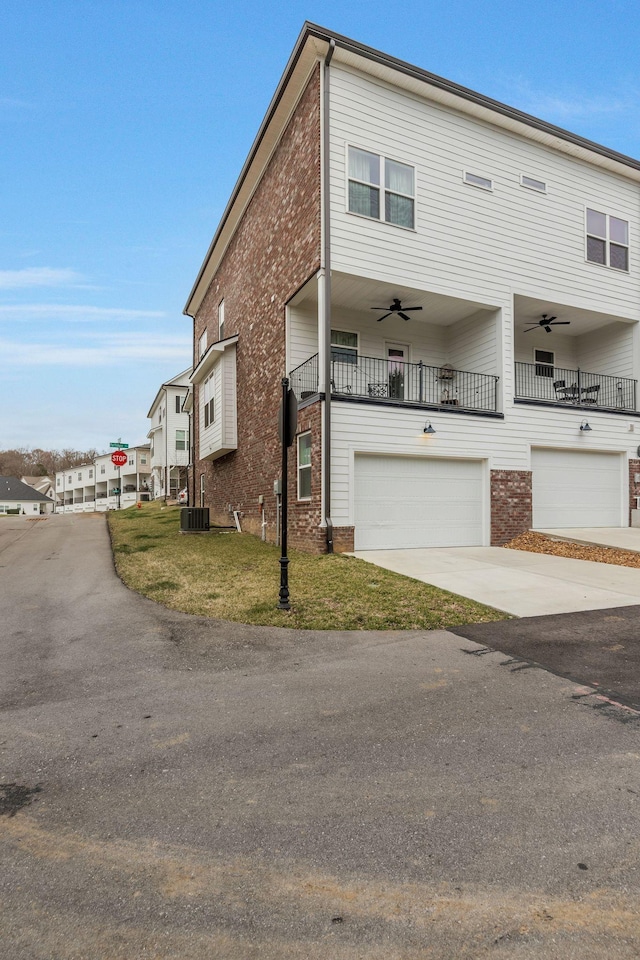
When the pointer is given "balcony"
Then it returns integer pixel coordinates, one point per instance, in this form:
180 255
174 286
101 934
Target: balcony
392 381
543 383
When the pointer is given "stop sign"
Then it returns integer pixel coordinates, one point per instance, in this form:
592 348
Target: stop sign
119 458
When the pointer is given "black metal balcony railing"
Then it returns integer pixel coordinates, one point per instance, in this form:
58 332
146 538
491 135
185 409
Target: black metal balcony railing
389 379
565 386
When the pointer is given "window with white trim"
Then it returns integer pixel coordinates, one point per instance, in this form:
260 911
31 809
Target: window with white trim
181 439
208 400
344 346
544 361
178 403
143 460
381 188
79 476
607 240
90 474
304 466
475 180
532 184
202 344
102 468
221 320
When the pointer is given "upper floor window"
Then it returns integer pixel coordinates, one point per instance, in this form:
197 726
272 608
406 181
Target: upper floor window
143 459
90 474
202 345
178 404
79 476
102 468
532 184
381 188
607 240
475 180
181 439
344 346
208 400
57 481
131 461
221 320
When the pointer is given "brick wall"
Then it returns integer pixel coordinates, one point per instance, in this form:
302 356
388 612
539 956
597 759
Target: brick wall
511 504
274 251
634 488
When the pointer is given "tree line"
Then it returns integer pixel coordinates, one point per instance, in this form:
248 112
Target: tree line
24 462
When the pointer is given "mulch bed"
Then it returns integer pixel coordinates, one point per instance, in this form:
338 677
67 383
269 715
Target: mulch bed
538 543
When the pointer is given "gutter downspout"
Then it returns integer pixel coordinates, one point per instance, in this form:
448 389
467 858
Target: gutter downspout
325 266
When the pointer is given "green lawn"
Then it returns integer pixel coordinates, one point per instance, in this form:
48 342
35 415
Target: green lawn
233 576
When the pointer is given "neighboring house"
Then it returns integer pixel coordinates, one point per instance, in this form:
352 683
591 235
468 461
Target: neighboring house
44 485
453 289
21 498
169 437
102 486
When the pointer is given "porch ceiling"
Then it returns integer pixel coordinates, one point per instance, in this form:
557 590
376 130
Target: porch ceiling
528 310
359 294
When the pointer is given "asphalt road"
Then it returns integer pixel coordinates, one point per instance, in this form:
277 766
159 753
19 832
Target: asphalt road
172 787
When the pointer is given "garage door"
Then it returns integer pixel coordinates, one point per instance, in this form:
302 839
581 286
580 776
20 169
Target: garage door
575 489
417 502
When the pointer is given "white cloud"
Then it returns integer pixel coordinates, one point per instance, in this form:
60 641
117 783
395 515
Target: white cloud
72 313
105 350
38 277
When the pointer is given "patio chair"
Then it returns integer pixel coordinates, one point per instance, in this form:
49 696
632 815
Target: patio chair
563 392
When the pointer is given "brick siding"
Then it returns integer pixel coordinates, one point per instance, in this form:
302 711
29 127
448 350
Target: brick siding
274 251
511 504
634 488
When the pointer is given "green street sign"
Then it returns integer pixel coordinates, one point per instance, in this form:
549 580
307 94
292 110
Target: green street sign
122 446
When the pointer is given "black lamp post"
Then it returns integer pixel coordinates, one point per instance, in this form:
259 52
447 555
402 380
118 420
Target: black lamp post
288 423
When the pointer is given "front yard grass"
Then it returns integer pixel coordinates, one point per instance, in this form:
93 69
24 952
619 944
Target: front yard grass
231 576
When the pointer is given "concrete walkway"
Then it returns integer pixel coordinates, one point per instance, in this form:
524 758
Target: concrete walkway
524 584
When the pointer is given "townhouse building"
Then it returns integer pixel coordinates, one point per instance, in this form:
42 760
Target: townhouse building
452 288
169 438
101 486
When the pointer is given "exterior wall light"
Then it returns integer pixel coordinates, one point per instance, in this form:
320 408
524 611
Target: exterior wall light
585 426
429 429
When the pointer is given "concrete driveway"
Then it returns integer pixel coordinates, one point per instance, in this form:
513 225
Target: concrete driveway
524 584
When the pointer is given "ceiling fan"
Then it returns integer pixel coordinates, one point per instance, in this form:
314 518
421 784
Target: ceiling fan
395 307
547 322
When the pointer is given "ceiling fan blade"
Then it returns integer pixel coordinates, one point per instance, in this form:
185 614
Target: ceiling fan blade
561 323
412 308
401 314
529 329
548 329
384 318
378 308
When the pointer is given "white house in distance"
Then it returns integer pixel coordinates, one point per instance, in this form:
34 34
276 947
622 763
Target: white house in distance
101 486
452 287
169 437
22 499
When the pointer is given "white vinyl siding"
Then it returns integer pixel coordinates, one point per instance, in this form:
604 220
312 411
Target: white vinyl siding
220 435
576 489
403 502
469 243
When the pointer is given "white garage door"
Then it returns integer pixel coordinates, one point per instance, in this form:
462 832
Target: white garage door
576 489
417 502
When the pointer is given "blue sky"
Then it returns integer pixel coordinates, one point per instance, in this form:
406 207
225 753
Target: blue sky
123 128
